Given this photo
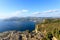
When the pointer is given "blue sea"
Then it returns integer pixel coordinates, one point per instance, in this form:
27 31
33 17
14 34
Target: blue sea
16 25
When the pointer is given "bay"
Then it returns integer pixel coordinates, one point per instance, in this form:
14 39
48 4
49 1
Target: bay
16 25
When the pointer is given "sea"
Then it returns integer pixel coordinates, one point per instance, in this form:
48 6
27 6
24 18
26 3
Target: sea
16 25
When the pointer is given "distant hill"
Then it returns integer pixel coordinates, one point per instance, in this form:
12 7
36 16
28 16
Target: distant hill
34 19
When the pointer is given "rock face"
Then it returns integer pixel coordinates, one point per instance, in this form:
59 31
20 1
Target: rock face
54 38
17 35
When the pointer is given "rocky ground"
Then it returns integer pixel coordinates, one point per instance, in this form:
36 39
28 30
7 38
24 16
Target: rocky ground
17 35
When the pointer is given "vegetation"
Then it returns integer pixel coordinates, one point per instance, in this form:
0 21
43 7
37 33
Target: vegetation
51 28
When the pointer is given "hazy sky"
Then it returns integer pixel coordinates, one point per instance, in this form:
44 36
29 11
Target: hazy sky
24 8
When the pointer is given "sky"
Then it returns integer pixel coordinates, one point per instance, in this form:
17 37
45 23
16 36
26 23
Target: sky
29 8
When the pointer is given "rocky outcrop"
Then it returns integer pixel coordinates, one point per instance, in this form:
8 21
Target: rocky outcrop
54 38
17 35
